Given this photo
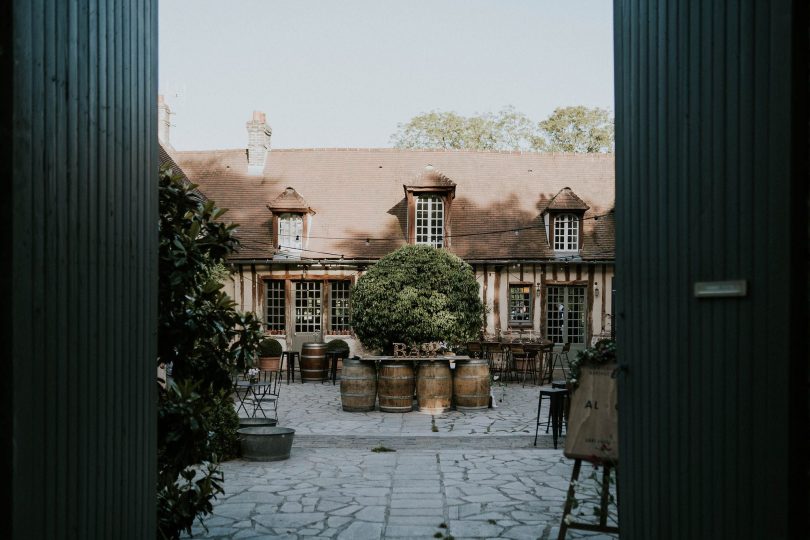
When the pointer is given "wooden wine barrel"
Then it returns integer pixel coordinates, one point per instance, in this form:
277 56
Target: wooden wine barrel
395 386
313 362
434 386
471 384
358 386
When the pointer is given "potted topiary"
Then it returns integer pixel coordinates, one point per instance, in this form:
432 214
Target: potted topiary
269 354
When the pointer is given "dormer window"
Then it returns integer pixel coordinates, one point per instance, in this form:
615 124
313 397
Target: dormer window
291 233
290 221
430 220
563 220
566 232
429 198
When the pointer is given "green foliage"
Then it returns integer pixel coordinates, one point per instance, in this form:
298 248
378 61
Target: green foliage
417 294
188 476
338 345
269 347
602 352
203 337
199 330
223 423
505 130
576 129
567 129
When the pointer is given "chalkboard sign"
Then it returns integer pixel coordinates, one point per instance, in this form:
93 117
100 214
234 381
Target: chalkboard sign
593 419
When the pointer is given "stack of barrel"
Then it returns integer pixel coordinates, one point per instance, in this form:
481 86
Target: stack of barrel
436 389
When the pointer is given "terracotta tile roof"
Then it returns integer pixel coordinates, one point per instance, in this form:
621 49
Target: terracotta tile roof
165 158
357 195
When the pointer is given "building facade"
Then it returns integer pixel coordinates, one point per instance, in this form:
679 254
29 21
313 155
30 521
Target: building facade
537 229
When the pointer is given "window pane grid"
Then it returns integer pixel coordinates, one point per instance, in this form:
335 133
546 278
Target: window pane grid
339 314
554 320
290 234
566 233
565 310
275 321
520 303
307 306
430 220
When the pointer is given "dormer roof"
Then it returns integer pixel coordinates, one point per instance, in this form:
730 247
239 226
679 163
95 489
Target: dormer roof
290 201
566 199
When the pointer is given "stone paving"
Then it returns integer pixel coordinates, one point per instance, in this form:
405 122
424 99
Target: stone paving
453 475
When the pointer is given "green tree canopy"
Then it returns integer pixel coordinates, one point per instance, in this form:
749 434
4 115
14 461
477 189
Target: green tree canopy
576 129
505 130
417 294
567 129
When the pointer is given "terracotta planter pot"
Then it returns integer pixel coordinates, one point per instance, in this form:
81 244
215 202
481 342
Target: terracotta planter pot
269 363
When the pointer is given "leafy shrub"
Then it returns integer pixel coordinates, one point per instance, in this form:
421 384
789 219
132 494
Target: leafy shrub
269 347
187 476
203 337
338 346
602 352
417 294
223 423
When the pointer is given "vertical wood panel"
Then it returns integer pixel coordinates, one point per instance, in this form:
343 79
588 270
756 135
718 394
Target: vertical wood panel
707 180
83 275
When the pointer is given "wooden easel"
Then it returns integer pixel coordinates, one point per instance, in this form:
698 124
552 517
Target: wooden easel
603 507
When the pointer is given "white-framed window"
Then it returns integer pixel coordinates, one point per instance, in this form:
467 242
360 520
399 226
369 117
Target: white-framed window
565 314
290 234
520 305
430 220
339 308
566 232
307 306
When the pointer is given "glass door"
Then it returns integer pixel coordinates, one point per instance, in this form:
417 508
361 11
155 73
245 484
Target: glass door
565 314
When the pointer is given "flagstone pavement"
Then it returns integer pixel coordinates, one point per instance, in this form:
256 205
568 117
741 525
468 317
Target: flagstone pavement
453 475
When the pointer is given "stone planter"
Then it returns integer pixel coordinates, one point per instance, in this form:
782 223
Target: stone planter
266 443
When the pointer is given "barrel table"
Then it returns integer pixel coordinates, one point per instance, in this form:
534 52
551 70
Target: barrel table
313 362
358 385
471 384
434 386
395 386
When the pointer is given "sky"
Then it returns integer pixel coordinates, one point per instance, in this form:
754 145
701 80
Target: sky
344 73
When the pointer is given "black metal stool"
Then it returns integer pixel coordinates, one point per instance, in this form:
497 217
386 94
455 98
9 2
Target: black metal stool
332 358
291 357
556 408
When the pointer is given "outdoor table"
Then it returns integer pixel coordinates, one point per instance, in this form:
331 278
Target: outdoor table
256 391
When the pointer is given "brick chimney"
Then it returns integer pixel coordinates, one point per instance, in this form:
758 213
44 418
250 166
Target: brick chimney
164 122
258 142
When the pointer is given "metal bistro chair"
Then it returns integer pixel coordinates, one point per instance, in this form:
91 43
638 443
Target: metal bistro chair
560 358
265 395
519 359
534 354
